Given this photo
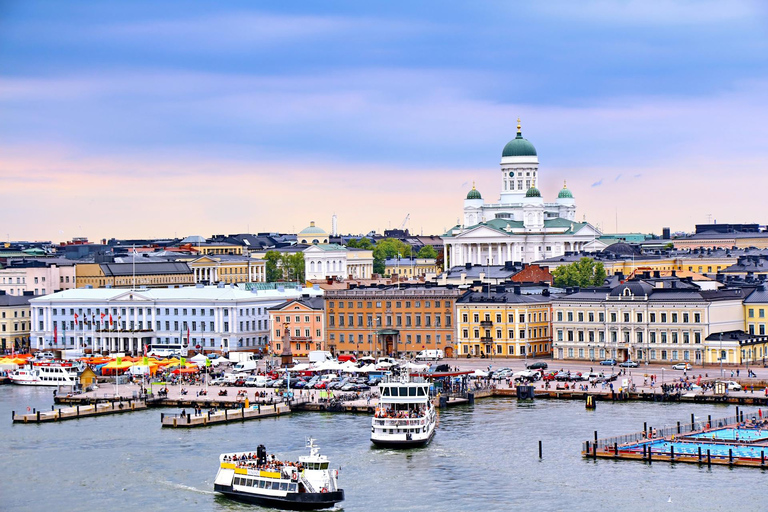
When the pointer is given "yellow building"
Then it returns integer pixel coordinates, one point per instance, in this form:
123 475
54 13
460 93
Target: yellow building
411 267
223 269
756 311
503 322
127 275
212 248
15 322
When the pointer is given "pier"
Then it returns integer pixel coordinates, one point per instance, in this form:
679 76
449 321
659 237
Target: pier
740 440
80 411
210 418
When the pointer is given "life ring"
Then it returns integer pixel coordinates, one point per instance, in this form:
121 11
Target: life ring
294 477
324 490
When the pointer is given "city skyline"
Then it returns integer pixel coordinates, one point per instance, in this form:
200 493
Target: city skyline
145 120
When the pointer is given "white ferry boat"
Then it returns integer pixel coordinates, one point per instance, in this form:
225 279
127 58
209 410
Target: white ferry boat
47 375
255 477
405 416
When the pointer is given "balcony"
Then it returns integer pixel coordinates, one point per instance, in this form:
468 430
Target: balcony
486 323
486 339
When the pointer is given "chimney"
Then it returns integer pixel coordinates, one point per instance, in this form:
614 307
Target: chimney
656 273
517 290
468 266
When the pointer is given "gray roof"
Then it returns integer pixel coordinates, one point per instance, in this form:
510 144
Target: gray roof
316 303
508 296
14 300
758 296
141 268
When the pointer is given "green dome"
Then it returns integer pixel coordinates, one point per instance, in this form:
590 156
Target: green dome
533 192
565 194
312 230
519 146
474 194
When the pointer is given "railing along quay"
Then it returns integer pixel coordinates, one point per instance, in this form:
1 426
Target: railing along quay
219 417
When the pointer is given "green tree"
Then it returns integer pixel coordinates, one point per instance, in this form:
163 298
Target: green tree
427 252
584 272
274 272
363 243
293 267
388 248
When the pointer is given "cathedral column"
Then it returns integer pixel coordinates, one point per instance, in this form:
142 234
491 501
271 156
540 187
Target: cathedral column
501 258
445 256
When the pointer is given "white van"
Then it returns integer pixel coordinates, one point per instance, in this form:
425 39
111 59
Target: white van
245 366
429 355
256 381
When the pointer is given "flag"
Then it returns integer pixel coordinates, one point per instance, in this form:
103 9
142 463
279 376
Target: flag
187 335
145 361
55 334
207 362
102 317
119 360
76 318
146 349
110 319
183 361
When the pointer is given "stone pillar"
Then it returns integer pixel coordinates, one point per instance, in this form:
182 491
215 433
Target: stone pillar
445 256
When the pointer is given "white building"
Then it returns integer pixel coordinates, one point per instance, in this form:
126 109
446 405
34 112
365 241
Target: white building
215 318
324 261
521 226
37 277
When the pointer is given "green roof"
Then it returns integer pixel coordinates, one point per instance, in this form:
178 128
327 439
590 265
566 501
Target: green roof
312 230
565 194
474 194
519 146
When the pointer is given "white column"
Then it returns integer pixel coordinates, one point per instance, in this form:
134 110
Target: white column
445 256
501 259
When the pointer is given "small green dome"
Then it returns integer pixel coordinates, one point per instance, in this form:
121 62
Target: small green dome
519 146
533 192
565 194
474 193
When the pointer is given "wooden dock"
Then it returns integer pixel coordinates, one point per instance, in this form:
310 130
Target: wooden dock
208 418
79 411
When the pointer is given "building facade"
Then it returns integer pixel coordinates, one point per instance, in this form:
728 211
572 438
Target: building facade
500 322
300 323
38 277
228 270
130 275
411 268
333 261
655 321
15 322
213 318
384 320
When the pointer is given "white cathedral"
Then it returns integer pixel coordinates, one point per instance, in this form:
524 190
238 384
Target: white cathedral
521 226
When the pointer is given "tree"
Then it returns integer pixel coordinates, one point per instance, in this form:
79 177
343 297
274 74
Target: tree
427 252
293 267
584 272
388 248
363 243
274 272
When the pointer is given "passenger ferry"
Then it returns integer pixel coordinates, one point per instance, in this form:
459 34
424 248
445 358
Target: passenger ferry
405 416
47 375
255 477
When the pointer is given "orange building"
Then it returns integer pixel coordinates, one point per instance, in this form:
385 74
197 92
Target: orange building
304 320
391 320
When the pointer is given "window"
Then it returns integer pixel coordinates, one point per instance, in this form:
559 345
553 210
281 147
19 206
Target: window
674 318
626 317
613 317
559 316
640 317
685 318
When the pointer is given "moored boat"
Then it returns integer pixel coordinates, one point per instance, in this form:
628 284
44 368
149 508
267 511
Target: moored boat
47 374
254 477
405 416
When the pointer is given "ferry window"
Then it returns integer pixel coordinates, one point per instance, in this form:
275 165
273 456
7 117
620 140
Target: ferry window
385 392
283 486
412 391
261 484
422 392
324 465
293 487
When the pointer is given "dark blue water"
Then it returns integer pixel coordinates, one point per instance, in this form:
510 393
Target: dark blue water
483 457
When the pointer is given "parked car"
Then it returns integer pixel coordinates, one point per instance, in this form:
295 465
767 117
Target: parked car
337 384
240 381
538 365
682 366
628 364
608 362
562 376
374 381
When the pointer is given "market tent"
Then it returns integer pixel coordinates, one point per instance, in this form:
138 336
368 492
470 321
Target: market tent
187 370
199 359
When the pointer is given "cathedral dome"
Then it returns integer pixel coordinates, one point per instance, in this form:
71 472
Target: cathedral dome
474 194
312 230
533 192
565 193
519 146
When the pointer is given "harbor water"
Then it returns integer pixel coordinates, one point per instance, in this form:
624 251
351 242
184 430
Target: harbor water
484 457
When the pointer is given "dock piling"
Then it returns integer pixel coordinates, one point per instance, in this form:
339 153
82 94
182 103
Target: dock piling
730 455
709 458
672 453
678 427
616 450
762 457
693 422
540 454
699 453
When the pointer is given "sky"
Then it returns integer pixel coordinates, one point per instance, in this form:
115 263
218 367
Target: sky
175 118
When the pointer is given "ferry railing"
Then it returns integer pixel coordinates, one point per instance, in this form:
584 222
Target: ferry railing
307 484
680 429
398 422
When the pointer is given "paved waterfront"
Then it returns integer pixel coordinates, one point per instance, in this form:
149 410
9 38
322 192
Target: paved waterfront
483 458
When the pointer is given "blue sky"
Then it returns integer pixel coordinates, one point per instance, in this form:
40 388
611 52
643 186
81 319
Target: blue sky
203 117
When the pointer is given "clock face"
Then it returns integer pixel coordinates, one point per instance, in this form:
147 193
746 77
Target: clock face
511 174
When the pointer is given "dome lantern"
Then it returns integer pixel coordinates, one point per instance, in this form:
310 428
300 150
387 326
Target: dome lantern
519 146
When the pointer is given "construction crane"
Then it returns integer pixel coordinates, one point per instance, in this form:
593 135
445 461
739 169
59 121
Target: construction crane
405 221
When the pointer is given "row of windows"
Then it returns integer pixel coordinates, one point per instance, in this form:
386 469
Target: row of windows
541 348
541 332
653 336
139 325
411 320
297 318
16 326
760 329
158 311
408 338
388 304
627 317
653 354
760 313
15 314
540 316
297 333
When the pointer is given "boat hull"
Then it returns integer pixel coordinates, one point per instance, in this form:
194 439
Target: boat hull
292 501
405 443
